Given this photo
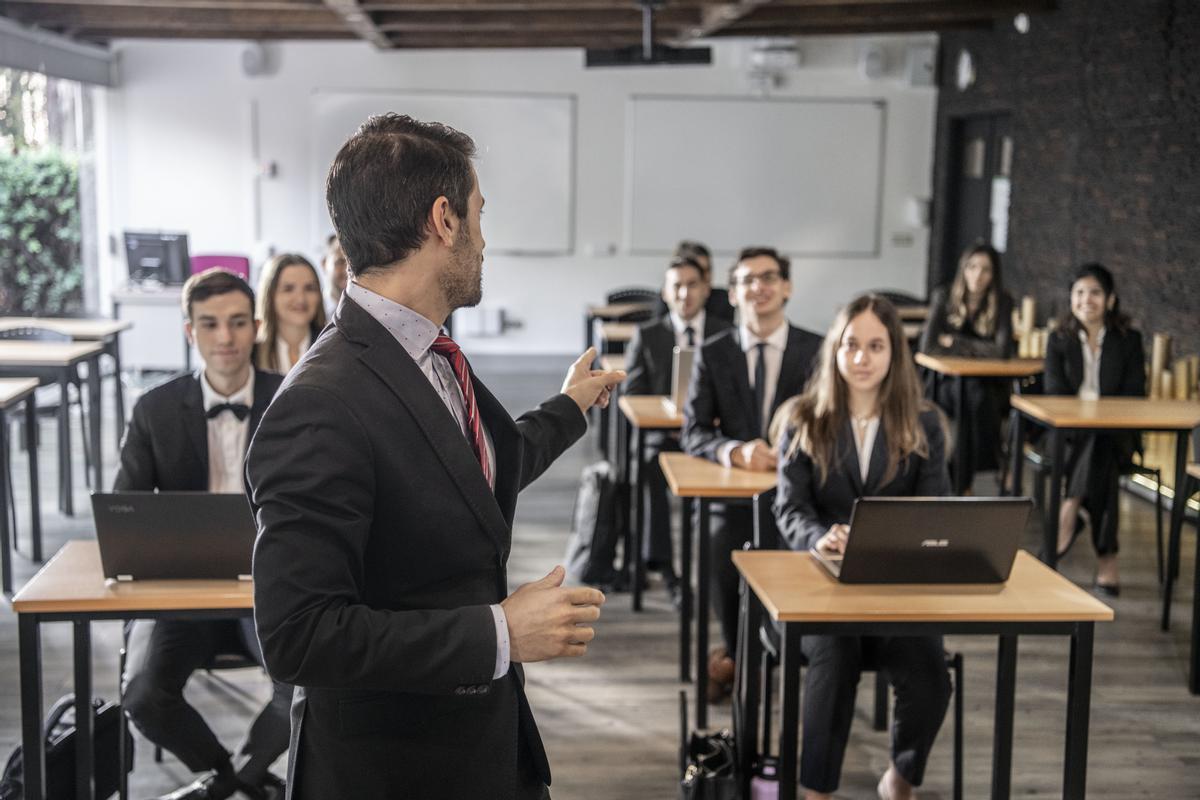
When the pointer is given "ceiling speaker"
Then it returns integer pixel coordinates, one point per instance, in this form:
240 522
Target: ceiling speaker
254 59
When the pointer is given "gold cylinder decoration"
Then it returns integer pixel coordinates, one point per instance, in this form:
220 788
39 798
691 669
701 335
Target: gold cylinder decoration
1028 309
1167 388
1181 379
1160 353
1194 374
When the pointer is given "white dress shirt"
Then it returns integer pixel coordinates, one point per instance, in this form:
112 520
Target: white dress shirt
865 432
283 357
680 326
227 437
776 343
1089 389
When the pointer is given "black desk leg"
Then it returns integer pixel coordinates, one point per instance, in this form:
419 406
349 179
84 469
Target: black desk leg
114 350
1079 696
84 734
1194 669
960 461
35 498
6 532
94 420
31 706
1017 454
685 592
624 507
1006 690
639 520
1053 500
790 712
749 689
65 501
702 617
1173 540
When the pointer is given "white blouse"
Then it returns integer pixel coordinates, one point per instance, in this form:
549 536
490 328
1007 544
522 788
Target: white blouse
281 353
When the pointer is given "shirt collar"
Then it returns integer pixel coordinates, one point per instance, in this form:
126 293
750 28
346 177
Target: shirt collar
212 397
696 324
777 340
1083 337
414 332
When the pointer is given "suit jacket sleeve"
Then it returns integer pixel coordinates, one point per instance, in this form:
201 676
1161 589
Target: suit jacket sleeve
136 471
936 324
637 380
311 478
1055 372
701 434
795 509
546 432
1133 378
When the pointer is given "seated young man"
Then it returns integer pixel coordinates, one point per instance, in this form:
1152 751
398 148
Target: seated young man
740 379
650 357
190 434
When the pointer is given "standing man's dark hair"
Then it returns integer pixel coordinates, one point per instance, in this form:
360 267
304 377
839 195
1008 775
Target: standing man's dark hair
384 180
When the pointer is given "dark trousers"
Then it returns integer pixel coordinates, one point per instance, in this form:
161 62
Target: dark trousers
986 399
162 656
1093 466
656 536
732 527
916 668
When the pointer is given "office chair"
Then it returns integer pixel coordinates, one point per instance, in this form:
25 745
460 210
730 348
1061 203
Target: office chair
766 537
635 294
900 298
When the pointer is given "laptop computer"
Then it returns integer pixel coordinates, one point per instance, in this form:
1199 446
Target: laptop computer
930 540
152 535
681 373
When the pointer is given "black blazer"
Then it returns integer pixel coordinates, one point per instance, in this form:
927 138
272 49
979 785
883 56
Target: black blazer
805 507
717 306
966 341
380 548
1122 364
650 352
166 442
720 404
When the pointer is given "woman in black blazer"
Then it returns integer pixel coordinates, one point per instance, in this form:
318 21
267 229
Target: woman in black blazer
863 406
1095 353
973 317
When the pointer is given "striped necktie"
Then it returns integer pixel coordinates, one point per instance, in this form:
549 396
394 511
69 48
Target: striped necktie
447 347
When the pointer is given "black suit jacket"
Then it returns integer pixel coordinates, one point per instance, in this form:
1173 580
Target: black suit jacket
716 306
966 341
805 507
651 350
1122 364
166 442
720 405
380 548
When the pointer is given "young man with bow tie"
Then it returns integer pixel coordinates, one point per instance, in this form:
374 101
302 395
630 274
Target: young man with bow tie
191 434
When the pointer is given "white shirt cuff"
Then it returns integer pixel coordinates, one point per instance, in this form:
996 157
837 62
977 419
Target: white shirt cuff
502 646
725 454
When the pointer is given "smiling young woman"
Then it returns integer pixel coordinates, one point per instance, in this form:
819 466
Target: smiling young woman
290 312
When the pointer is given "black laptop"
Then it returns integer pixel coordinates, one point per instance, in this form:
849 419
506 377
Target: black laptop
151 535
930 540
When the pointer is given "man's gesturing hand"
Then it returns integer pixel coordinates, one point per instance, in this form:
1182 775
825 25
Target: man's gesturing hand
547 620
590 387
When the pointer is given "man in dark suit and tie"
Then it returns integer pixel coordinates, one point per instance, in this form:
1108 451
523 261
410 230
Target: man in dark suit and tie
650 357
385 477
190 434
717 304
740 378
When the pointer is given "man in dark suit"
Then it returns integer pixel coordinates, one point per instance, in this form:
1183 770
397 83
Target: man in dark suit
717 304
740 379
190 434
385 477
650 358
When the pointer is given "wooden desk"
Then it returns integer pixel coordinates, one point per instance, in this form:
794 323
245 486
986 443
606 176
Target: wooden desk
615 361
960 369
71 587
1064 414
609 313
105 331
795 591
618 332
57 362
913 313
701 480
14 391
641 413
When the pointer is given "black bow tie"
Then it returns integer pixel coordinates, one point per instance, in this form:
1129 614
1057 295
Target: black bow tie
240 410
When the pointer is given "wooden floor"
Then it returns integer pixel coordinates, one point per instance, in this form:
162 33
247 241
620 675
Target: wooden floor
610 720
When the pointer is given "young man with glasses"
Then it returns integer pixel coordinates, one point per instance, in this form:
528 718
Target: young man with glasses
740 378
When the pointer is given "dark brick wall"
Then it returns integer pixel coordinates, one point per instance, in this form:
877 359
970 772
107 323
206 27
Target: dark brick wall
1104 97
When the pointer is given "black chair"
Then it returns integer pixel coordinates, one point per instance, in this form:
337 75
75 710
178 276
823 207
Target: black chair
635 294
766 537
900 298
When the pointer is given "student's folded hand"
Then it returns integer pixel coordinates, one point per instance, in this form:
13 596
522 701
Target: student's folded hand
755 455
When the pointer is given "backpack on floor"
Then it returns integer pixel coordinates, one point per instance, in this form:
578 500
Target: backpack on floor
592 548
60 753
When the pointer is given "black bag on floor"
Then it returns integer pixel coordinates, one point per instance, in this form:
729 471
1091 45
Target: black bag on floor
708 761
60 753
592 548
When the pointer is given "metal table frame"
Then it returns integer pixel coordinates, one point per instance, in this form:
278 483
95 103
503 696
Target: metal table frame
8 535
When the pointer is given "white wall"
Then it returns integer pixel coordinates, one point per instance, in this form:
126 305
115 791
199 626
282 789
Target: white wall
181 142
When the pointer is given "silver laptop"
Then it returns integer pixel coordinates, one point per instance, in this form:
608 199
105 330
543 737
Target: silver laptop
152 535
930 540
681 373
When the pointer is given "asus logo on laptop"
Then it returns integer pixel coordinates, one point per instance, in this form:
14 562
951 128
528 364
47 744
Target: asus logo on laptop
935 543
122 509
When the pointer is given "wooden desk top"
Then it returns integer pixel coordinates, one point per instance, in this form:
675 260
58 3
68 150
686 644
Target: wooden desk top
81 329
1194 471
1114 413
14 390
689 476
794 588
913 313
982 367
649 411
618 331
615 310
912 330
73 581
612 362
46 354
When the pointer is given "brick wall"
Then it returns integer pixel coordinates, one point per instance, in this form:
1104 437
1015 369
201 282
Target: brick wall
1104 97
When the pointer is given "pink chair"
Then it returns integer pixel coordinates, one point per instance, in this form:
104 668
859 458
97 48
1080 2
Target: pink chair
238 265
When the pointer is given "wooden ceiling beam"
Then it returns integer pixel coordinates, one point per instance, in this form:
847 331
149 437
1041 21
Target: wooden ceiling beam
356 19
577 20
885 11
102 34
232 5
84 15
854 28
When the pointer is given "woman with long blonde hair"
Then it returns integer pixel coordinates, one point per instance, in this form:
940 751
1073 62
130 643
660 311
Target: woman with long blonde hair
861 428
290 312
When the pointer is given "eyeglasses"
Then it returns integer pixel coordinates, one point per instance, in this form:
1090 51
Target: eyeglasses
764 278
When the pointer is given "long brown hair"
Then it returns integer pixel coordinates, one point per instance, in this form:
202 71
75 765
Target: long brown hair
265 356
985 317
816 417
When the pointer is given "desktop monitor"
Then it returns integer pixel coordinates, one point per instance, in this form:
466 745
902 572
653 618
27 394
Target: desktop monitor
157 256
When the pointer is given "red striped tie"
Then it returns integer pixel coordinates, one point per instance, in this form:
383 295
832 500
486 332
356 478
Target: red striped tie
445 346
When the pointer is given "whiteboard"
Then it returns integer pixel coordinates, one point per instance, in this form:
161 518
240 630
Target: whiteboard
525 159
802 175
